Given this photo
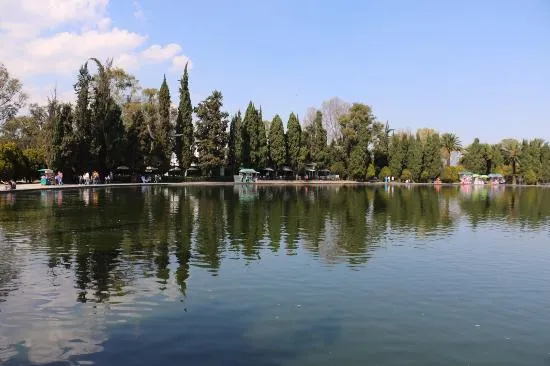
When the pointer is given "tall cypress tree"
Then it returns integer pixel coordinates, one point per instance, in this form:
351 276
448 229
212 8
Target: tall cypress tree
82 118
184 125
165 127
317 139
211 132
62 131
277 143
432 160
414 159
235 142
248 133
263 154
294 134
99 111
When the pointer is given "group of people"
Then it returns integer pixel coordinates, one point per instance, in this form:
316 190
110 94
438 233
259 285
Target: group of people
87 178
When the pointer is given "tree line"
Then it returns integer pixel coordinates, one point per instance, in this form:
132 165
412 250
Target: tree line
114 121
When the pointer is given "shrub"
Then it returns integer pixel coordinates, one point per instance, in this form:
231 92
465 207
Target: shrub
406 174
384 172
450 175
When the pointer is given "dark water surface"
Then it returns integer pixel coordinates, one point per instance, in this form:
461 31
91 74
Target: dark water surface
275 276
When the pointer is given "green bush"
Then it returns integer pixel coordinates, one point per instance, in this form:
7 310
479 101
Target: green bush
424 176
450 174
406 175
371 171
529 177
384 172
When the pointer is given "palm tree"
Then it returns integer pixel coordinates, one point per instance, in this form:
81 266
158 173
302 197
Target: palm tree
451 143
511 150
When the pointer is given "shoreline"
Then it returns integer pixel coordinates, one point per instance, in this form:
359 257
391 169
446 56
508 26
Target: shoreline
28 187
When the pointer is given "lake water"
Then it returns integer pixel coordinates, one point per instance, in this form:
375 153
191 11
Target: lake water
275 276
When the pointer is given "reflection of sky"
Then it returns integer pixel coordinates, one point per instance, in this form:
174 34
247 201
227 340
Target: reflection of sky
305 308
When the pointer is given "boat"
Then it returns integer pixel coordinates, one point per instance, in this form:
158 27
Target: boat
246 176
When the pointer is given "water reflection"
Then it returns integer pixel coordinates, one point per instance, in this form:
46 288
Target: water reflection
83 255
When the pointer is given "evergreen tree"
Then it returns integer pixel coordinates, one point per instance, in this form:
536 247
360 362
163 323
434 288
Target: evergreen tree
184 147
248 136
114 136
263 152
473 158
234 144
356 127
397 155
414 159
211 132
294 134
545 159
277 143
62 147
432 162
138 142
316 140
165 127
381 134
100 107
82 119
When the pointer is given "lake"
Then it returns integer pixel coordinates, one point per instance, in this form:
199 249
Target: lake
296 275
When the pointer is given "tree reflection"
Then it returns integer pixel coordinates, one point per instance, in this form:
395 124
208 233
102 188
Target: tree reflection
112 239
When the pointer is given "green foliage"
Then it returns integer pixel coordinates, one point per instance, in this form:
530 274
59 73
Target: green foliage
138 142
277 143
357 164
356 127
82 119
511 151
371 171
414 157
384 172
450 174
381 134
294 135
530 177
398 153
473 158
211 135
184 146
262 156
425 176
35 159
165 128
406 175
12 97
450 143
315 137
12 161
234 144
63 144
432 162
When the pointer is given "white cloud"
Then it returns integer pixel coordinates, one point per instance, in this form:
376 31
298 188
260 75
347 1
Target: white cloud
159 54
26 18
52 38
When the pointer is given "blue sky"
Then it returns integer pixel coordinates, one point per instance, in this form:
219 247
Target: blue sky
477 68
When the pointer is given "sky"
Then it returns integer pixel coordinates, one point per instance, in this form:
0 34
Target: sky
475 68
